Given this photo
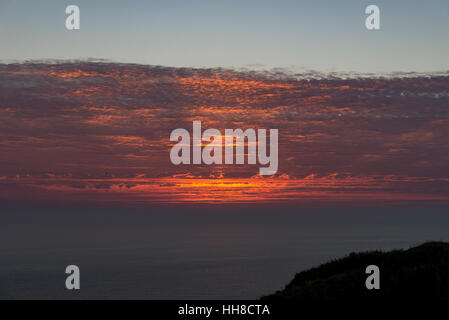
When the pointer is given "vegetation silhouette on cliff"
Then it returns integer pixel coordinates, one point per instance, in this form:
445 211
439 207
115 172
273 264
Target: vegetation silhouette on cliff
420 272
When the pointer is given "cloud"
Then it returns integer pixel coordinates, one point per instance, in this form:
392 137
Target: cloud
105 121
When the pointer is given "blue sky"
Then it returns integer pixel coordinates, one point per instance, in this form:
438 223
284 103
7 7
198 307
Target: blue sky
319 35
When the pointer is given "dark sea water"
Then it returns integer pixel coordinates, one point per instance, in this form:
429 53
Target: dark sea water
208 253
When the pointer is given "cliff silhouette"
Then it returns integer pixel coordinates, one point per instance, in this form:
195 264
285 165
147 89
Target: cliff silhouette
420 272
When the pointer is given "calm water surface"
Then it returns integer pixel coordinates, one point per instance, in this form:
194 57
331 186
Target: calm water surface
176 254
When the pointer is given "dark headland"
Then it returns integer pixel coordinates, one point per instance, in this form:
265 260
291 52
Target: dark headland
420 272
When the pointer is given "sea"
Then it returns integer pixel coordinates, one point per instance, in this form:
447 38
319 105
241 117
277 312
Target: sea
210 252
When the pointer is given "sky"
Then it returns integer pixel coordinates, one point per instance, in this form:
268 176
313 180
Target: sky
319 35
94 124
